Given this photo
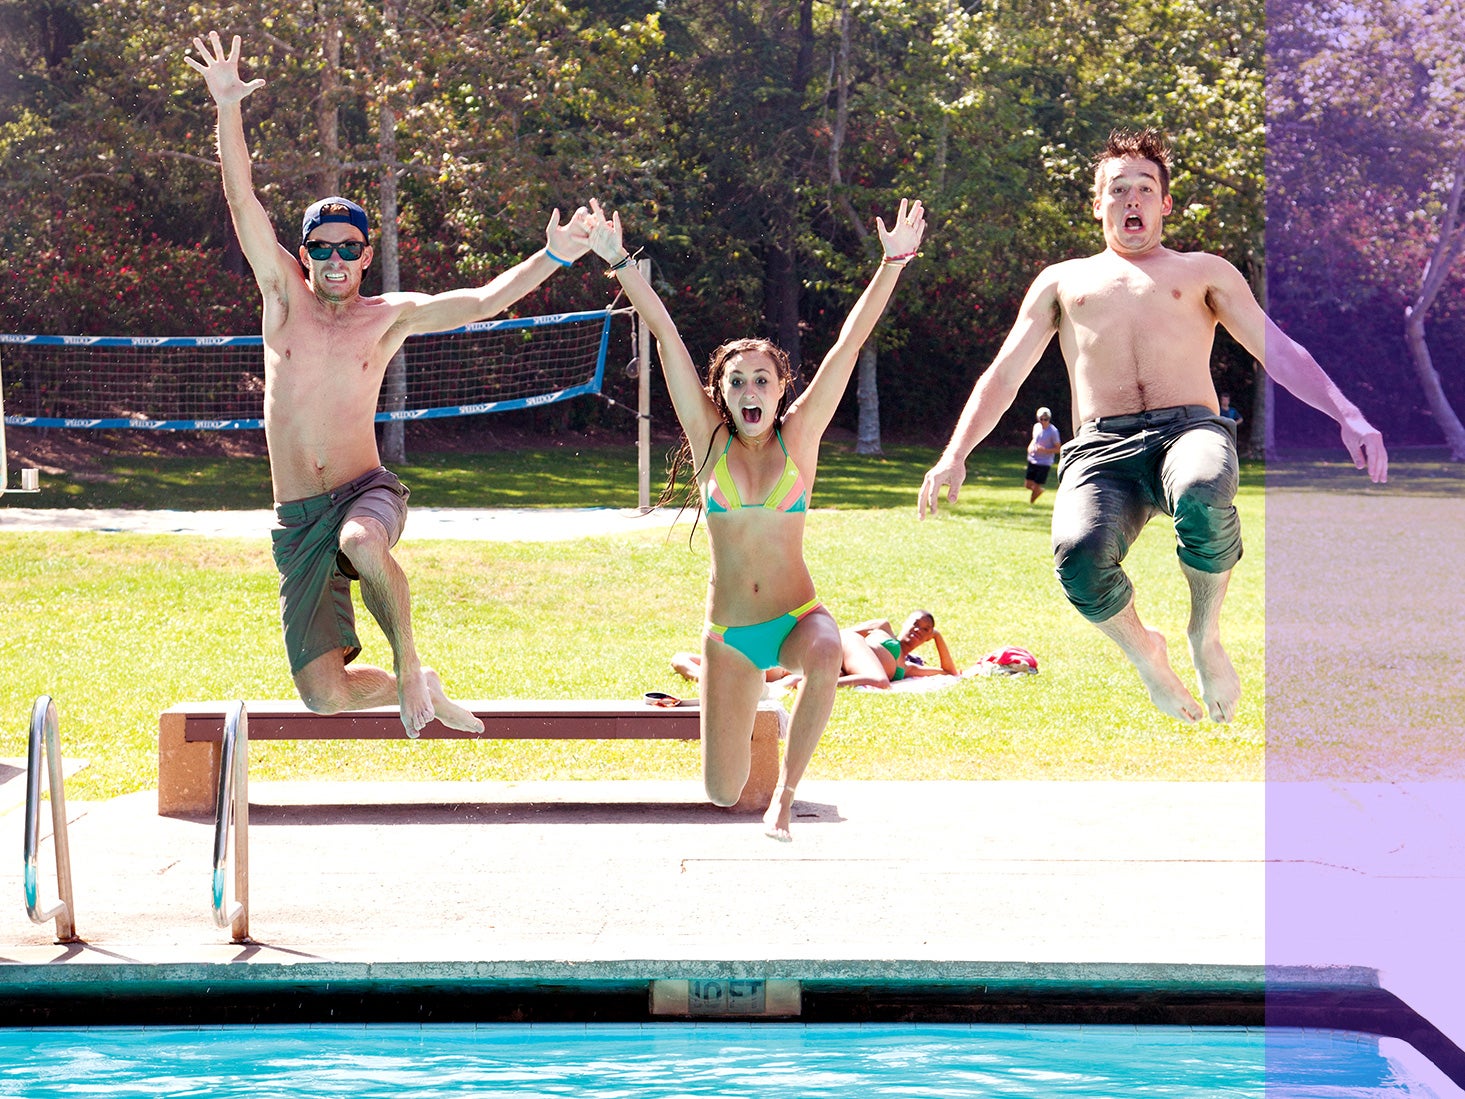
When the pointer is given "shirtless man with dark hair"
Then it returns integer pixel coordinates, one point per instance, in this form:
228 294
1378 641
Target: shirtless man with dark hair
1136 323
326 350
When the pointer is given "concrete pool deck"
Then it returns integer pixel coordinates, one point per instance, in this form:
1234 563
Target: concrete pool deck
1024 884
1133 873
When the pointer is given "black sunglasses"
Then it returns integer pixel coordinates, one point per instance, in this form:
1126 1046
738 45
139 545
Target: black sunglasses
348 249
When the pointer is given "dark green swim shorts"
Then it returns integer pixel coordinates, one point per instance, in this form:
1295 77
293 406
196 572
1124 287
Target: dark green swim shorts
315 577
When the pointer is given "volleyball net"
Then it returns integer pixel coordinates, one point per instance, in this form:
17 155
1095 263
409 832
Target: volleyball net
216 383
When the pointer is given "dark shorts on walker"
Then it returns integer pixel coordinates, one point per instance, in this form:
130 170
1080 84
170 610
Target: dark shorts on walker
315 576
1037 473
1120 471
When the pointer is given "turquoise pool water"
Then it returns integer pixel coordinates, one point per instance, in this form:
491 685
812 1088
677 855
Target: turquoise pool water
731 1060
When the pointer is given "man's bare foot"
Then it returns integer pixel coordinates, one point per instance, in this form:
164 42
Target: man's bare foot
415 699
780 812
1166 690
446 710
687 665
1219 684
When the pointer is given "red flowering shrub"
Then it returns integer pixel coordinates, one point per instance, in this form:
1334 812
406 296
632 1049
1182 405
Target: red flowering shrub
78 275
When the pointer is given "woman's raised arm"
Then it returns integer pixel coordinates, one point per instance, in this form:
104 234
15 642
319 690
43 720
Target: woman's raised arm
811 413
695 410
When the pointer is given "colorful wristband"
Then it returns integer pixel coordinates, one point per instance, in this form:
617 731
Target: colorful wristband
561 262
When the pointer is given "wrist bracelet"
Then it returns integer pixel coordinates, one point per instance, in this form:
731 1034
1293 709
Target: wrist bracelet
561 262
898 261
624 262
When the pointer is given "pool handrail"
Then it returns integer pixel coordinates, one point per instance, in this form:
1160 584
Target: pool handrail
45 738
232 806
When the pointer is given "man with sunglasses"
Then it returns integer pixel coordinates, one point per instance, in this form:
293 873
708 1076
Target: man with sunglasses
326 350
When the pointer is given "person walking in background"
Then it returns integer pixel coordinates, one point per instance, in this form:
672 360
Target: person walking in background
1229 413
1042 453
755 451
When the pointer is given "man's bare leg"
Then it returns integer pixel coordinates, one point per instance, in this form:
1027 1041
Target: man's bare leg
1219 684
384 590
328 686
1147 651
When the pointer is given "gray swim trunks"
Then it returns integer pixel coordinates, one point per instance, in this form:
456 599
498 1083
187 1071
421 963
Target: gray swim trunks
1119 472
315 576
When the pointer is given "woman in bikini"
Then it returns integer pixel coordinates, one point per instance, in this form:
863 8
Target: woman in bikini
757 452
876 656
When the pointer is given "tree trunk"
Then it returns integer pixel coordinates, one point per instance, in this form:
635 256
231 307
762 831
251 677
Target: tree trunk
327 119
867 396
804 65
781 290
1429 379
394 385
781 293
1446 251
1261 404
867 439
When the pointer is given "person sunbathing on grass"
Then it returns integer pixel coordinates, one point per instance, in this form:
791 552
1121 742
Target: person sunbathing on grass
872 655
326 350
1136 323
876 656
755 452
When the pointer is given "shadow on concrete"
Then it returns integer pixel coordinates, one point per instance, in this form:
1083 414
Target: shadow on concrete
631 812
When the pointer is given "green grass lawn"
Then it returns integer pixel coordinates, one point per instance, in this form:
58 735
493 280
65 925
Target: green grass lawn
568 476
119 627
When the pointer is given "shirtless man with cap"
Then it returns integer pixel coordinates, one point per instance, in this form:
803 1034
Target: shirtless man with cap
1136 323
326 350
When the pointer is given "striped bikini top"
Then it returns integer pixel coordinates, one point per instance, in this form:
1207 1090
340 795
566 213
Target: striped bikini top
789 495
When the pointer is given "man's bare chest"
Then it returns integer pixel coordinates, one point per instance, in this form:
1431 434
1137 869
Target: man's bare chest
342 353
1135 301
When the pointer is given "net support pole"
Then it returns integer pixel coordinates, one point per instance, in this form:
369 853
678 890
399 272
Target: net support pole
643 404
4 464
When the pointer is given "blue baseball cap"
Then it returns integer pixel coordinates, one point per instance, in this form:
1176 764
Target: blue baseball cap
334 208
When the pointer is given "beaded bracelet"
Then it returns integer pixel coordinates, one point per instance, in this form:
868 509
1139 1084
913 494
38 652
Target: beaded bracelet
898 261
557 259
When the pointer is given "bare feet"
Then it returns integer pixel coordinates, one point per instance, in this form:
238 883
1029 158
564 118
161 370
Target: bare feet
415 700
1166 691
446 710
780 810
1219 684
687 665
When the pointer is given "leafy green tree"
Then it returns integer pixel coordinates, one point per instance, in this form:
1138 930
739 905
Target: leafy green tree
474 119
992 114
750 144
1369 156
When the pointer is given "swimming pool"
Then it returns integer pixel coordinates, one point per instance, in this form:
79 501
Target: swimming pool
726 1060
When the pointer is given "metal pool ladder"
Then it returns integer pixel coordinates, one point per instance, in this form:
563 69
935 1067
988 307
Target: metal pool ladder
46 731
233 803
